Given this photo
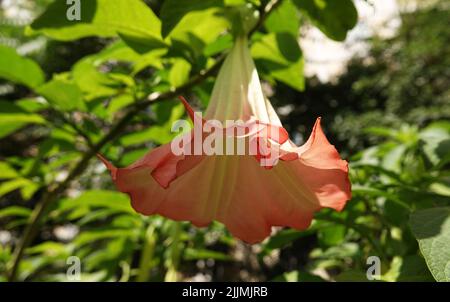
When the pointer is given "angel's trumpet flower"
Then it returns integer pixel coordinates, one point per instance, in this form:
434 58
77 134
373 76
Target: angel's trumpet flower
235 189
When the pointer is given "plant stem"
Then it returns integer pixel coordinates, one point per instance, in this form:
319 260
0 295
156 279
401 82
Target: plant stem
53 191
175 254
147 254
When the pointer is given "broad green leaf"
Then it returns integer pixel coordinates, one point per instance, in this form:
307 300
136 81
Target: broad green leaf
18 69
6 171
220 44
381 131
118 103
160 134
95 199
392 160
87 237
132 156
440 188
113 252
18 183
149 59
280 56
96 84
50 248
13 117
119 51
103 18
173 11
284 19
334 18
371 191
194 32
179 73
15 211
431 227
332 235
282 239
409 269
436 138
10 113
32 105
6 127
63 95
92 83
343 251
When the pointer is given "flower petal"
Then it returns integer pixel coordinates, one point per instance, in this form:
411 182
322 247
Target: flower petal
236 191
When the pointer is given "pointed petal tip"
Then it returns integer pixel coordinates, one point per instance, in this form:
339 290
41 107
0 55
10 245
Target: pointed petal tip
108 165
190 111
188 108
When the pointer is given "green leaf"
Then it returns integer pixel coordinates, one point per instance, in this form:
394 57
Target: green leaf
62 95
32 104
282 239
122 52
334 18
195 254
172 12
88 237
160 134
96 198
92 83
96 84
370 191
15 211
431 227
18 183
332 235
6 171
284 19
280 56
132 156
50 249
13 117
408 269
194 32
118 103
179 73
436 138
18 69
103 18
220 44
440 188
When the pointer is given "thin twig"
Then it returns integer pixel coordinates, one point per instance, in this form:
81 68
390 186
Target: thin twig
53 191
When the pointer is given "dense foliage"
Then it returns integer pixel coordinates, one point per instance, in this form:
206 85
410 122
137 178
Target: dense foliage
108 84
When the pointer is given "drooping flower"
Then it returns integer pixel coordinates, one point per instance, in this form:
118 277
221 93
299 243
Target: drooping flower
234 189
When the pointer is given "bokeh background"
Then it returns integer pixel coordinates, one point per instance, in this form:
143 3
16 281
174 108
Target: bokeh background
377 71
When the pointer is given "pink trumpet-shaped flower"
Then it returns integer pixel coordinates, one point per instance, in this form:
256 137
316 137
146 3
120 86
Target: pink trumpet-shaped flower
233 189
